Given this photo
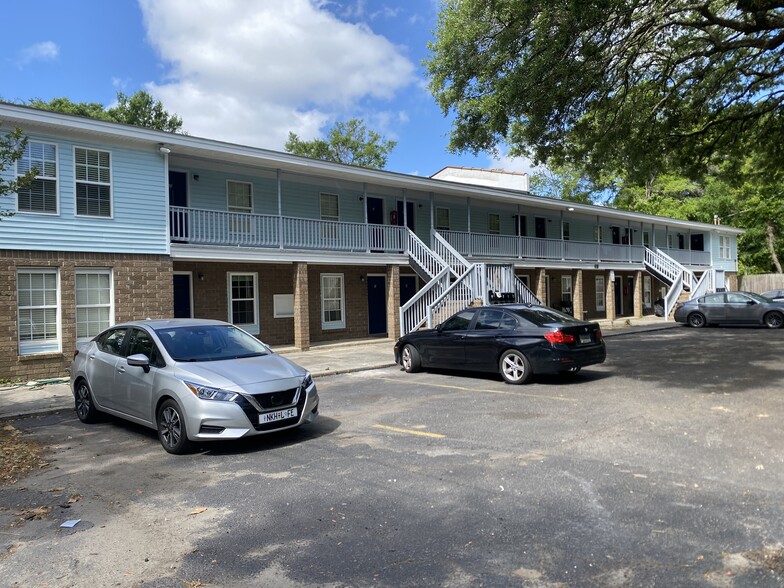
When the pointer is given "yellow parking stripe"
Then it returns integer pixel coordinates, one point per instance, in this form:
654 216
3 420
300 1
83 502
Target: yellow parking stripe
410 432
486 391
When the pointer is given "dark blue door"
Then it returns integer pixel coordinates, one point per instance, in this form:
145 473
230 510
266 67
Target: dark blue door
182 296
377 305
408 286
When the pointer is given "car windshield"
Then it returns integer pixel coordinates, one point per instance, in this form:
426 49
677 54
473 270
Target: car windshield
542 315
757 297
209 343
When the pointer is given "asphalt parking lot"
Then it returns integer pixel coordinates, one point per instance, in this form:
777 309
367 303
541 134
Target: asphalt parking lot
661 467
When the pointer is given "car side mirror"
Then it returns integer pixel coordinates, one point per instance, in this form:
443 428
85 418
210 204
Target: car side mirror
140 360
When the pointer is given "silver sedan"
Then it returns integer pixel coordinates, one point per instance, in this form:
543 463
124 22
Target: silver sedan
731 308
192 380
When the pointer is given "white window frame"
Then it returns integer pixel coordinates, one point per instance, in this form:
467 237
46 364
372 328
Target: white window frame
326 215
600 293
92 182
28 162
646 292
283 305
566 288
443 222
341 322
597 233
240 225
51 344
94 305
253 327
724 247
493 223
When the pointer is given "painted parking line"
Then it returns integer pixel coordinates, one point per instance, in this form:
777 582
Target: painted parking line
410 432
486 390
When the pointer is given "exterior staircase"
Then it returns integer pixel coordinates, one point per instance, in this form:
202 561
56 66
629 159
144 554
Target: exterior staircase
453 283
684 283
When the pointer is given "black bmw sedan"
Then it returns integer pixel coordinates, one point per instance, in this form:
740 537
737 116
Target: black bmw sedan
515 340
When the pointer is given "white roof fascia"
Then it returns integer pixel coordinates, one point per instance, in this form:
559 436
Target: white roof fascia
188 145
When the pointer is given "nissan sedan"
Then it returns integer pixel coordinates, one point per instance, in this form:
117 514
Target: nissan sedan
514 340
191 380
731 308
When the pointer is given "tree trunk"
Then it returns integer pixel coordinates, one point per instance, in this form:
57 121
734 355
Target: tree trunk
769 230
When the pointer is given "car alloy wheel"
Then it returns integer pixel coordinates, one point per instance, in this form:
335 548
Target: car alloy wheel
171 428
774 320
410 359
515 368
696 320
85 409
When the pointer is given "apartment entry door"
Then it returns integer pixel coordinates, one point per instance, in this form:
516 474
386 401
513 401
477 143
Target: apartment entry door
183 301
377 305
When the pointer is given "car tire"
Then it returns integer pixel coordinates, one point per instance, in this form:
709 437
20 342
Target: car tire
410 359
514 367
773 320
696 320
84 404
171 428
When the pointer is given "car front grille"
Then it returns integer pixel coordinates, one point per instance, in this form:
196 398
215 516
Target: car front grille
276 399
272 401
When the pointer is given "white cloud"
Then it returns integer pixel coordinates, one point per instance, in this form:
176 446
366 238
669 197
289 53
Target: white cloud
45 51
251 71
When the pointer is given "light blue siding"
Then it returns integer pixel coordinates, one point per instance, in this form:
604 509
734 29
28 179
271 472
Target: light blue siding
139 207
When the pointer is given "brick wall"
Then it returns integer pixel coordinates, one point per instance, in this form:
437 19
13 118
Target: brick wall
142 289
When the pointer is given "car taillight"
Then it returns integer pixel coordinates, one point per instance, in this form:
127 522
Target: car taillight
598 334
559 337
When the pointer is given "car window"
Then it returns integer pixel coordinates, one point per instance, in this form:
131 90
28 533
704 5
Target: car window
734 297
543 315
141 342
210 343
112 341
459 322
509 322
714 299
489 319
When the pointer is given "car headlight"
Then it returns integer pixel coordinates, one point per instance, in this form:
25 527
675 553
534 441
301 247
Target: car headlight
307 381
209 393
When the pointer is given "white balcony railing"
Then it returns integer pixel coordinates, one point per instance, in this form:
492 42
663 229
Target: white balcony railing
222 228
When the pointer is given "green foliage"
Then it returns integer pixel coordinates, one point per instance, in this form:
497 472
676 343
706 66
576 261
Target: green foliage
140 110
12 146
639 85
350 142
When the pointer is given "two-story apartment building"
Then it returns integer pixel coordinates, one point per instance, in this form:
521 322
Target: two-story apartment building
125 223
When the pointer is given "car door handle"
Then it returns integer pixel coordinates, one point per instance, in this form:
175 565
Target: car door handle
91 356
121 369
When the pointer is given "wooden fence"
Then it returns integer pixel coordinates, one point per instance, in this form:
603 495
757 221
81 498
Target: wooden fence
760 282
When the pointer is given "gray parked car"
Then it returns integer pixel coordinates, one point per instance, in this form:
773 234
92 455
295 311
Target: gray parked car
738 308
192 380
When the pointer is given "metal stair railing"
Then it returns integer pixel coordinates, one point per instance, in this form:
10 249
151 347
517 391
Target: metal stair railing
672 295
445 251
706 282
430 262
415 312
461 294
524 294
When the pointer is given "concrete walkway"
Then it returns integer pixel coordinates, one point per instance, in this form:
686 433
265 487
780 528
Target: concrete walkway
322 360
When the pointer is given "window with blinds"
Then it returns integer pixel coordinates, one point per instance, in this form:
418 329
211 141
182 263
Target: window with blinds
41 196
38 308
93 302
332 302
93 182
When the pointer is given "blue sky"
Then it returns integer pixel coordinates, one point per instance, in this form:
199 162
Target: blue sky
244 71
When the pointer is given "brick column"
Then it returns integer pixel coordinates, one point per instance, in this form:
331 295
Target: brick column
638 294
301 308
578 305
609 301
393 301
541 285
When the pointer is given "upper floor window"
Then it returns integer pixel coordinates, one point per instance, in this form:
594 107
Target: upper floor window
566 231
239 196
38 307
597 233
724 247
41 196
442 219
93 182
646 238
93 302
494 223
330 207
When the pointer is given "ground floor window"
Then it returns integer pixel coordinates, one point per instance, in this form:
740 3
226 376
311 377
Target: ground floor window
39 310
333 302
600 293
243 301
646 291
94 309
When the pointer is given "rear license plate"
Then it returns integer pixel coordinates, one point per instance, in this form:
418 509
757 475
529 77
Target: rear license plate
585 338
278 415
